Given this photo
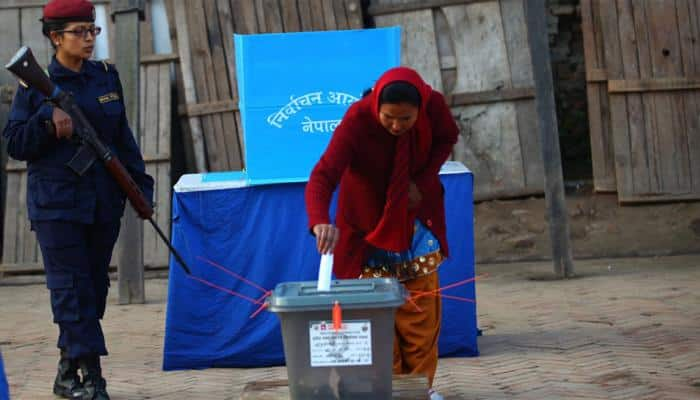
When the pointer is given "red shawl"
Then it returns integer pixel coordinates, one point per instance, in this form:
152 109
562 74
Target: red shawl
375 168
395 228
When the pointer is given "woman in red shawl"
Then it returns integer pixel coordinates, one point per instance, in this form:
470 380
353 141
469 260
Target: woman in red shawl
386 154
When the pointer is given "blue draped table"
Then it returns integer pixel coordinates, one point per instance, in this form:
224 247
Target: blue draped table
260 233
4 387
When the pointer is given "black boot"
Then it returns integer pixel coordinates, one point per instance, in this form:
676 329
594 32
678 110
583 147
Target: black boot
94 385
67 383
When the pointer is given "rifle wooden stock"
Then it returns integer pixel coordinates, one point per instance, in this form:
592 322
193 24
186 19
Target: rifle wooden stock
127 184
24 65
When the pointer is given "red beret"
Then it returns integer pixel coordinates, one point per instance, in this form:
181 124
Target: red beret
78 10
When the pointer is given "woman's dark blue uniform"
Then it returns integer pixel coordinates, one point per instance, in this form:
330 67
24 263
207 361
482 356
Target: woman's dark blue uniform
76 218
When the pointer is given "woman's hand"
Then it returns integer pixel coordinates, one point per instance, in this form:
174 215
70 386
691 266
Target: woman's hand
326 237
63 124
414 196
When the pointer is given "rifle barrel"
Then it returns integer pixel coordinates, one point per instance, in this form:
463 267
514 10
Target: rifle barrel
170 246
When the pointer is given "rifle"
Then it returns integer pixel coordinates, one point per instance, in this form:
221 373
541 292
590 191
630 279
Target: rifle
24 66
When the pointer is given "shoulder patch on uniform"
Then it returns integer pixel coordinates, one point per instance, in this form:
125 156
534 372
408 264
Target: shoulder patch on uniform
106 98
108 66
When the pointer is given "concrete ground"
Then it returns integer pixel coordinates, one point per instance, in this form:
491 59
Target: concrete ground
623 329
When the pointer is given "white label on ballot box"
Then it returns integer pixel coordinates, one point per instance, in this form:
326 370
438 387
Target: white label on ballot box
351 345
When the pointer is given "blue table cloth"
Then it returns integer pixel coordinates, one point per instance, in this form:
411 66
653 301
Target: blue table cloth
4 388
259 233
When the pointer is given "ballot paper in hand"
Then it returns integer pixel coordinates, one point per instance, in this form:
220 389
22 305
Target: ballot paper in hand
324 273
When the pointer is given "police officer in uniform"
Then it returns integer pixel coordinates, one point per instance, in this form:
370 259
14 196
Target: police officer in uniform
76 218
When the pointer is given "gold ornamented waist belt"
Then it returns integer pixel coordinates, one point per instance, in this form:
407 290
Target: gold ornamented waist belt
405 271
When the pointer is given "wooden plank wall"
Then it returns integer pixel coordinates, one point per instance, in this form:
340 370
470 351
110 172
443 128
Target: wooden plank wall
602 156
18 26
11 39
652 60
155 125
207 71
477 53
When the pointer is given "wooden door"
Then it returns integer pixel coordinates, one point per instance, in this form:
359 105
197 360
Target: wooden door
602 155
652 58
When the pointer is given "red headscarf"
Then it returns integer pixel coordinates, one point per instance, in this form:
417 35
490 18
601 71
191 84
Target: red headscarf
395 228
